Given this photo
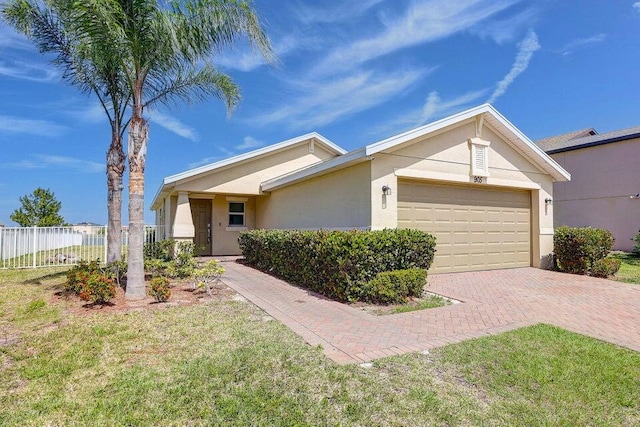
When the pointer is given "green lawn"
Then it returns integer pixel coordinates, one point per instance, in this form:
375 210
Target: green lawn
629 269
220 363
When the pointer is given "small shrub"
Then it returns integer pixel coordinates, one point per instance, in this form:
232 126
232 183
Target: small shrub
636 247
605 267
207 275
577 249
98 289
118 270
161 250
159 289
78 275
156 267
183 263
393 287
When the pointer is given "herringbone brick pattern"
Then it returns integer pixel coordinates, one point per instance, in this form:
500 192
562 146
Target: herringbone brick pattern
493 302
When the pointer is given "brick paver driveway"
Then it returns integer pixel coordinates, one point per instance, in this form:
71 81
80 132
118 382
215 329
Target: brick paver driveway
493 302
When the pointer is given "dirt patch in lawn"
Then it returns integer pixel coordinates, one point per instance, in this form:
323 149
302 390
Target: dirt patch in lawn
182 294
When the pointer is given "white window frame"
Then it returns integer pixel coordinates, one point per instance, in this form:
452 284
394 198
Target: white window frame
237 227
479 147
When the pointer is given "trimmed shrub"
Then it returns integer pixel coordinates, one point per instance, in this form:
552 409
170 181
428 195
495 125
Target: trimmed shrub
393 287
161 250
336 264
605 267
636 247
79 274
98 289
159 289
577 249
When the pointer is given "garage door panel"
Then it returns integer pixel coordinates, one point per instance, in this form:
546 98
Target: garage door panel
475 228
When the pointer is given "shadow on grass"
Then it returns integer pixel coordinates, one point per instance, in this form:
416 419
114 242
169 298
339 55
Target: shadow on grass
49 276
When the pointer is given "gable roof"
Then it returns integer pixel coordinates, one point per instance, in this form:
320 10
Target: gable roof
490 114
589 140
251 155
556 141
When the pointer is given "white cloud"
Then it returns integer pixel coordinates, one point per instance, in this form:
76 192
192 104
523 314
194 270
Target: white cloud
18 125
526 49
247 59
44 161
323 102
9 38
506 29
432 109
636 6
28 71
345 11
570 47
424 21
249 142
172 124
204 161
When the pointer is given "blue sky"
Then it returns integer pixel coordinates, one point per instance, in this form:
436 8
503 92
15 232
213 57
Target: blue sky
354 71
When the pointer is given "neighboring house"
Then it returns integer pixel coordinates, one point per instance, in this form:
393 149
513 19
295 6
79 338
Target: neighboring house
473 180
605 181
85 227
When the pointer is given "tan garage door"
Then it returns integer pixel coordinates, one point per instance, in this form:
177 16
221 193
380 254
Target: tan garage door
476 228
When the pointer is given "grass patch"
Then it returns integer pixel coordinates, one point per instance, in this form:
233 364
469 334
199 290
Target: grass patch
220 364
430 301
629 269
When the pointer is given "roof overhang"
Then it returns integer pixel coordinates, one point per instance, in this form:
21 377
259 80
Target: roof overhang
171 181
491 116
331 165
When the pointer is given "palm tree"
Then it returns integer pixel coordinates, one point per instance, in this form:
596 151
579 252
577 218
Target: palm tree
164 54
49 26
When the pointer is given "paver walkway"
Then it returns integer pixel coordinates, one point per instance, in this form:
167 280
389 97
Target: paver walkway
493 302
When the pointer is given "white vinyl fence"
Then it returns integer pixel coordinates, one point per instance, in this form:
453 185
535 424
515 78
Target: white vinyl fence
32 247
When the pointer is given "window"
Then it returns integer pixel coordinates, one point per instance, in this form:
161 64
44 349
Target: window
236 214
479 157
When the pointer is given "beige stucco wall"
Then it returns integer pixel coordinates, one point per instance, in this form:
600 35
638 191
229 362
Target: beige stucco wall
225 238
340 199
245 178
240 180
602 179
446 157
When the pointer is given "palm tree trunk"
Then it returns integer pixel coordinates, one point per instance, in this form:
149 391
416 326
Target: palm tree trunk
115 170
138 134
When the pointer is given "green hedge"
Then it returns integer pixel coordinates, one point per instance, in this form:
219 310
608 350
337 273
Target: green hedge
336 264
393 287
578 249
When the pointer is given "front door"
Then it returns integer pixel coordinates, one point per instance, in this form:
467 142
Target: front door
201 214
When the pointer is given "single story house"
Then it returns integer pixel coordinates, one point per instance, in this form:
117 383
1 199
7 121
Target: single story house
605 182
472 179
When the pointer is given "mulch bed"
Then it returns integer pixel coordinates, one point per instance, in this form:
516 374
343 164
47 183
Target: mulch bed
182 294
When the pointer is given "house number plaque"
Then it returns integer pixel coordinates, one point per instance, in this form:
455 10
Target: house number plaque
478 179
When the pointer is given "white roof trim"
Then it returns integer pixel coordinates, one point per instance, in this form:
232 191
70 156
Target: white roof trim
247 156
340 162
546 163
255 153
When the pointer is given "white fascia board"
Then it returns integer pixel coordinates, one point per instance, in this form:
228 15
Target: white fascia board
252 154
549 165
317 169
243 157
393 141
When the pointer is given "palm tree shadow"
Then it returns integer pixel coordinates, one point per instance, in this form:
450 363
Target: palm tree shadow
50 276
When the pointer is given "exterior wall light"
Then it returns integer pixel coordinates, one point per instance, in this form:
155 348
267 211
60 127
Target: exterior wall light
548 201
386 190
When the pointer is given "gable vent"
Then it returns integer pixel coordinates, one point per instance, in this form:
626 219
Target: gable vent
479 157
